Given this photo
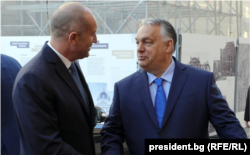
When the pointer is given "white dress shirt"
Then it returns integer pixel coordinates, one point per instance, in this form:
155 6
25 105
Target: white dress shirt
65 61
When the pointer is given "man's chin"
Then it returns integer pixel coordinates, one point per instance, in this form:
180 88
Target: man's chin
143 66
84 56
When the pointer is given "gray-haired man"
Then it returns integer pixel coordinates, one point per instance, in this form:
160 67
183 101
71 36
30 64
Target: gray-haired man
164 100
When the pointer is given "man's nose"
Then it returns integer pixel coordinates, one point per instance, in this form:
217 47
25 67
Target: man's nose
95 39
140 47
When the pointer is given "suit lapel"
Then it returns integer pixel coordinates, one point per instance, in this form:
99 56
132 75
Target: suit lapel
143 88
178 81
84 83
64 73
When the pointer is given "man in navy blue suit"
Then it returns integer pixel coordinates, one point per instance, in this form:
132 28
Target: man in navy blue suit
10 140
53 104
142 110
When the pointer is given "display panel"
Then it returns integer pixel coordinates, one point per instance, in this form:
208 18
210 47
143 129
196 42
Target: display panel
216 54
243 80
110 60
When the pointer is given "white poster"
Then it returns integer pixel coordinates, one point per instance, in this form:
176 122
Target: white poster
216 54
22 48
110 60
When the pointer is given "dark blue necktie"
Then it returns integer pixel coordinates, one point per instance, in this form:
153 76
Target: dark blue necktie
75 76
160 101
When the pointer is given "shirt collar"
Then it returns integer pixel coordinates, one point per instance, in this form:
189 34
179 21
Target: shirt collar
66 62
167 75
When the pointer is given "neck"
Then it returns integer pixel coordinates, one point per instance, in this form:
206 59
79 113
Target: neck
160 70
62 47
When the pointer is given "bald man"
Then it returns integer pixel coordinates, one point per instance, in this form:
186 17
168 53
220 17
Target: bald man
53 104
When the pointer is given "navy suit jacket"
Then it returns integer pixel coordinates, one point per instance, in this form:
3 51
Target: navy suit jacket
52 116
10 142
193 101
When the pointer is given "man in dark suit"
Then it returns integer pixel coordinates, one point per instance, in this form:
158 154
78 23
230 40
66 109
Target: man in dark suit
166 99
53 104
247 109
10 140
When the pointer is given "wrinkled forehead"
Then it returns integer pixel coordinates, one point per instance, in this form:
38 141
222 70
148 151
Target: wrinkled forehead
147 31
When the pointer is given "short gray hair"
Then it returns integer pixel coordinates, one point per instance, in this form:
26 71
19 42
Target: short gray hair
167 30
68 17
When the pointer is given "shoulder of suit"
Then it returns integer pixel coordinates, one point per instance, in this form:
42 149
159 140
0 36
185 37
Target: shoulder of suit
197 70
8 58
9 62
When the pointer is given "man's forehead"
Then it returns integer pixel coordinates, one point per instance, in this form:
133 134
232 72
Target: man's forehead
145 32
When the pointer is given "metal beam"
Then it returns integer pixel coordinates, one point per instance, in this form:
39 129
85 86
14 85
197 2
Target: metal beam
210 5
129 28
2 4
237 19
194 21
215 17
44 28
207 23
230 5
158 9
236 73
211 20
134 20
216 25
222 33
56 5
196 4
34 21
194 25
172 13
104 23
93 5
16 26
128 17
21 18
1 8
220 7
184 23
180 12
241 34
189 17
230 19
155 9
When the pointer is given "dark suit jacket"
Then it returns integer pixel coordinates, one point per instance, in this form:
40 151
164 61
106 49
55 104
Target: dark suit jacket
193 101
10 142
52 116
247 115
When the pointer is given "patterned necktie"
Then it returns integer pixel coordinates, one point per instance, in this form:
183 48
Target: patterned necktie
160 101
75 76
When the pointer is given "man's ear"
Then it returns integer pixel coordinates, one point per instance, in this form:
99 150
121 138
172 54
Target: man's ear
169 45
73 38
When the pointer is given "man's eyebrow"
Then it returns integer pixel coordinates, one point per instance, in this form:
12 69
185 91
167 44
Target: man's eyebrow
144 38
